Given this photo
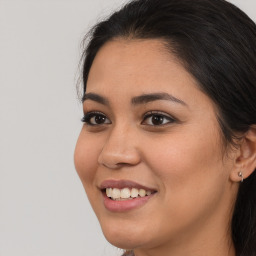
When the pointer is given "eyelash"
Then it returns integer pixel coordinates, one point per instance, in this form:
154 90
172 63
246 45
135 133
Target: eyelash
88 116
158 114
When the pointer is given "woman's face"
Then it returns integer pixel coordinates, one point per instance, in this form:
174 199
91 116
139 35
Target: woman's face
149 129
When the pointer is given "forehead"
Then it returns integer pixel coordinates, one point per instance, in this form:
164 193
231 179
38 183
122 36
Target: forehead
126 51
127 68
122 58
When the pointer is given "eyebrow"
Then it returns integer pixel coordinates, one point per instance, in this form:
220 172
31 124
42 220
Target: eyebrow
146 98
142 99
95 97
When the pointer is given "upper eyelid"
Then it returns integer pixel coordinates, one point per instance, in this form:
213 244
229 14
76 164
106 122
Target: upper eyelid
155 112
144 116
91 114
170 118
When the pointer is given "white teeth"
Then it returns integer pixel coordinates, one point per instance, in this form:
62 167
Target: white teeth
116 193
109 192
142 192
148 193
134 192
126 193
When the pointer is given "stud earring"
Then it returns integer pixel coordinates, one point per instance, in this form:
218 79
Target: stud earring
240 174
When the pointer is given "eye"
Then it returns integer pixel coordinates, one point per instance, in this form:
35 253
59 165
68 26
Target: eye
95 118
157 119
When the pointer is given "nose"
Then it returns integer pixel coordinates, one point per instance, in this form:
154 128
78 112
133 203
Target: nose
120 149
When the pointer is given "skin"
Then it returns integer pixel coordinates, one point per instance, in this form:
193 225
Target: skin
183 159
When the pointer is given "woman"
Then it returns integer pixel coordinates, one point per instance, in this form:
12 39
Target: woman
167 152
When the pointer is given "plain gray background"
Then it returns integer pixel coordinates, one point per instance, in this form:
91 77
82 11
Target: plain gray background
43 207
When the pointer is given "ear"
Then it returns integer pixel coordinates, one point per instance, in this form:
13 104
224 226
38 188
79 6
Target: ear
245 161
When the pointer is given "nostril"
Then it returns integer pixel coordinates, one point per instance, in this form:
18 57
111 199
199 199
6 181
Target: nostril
116 155
112 166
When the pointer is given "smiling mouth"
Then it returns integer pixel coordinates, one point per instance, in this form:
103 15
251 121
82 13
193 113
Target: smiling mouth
123 194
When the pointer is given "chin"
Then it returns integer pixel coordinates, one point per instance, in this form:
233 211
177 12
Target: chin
125 237
126 243
122 243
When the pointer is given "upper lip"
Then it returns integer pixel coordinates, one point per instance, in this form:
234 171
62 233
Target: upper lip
123 184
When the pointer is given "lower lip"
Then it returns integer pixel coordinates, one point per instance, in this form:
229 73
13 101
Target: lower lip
125 205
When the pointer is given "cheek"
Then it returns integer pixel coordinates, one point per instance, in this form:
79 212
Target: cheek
86 159
180 155
191 173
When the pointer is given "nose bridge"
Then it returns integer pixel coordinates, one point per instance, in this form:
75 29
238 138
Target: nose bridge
120 147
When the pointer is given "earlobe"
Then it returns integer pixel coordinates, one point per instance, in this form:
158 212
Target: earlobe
246 158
